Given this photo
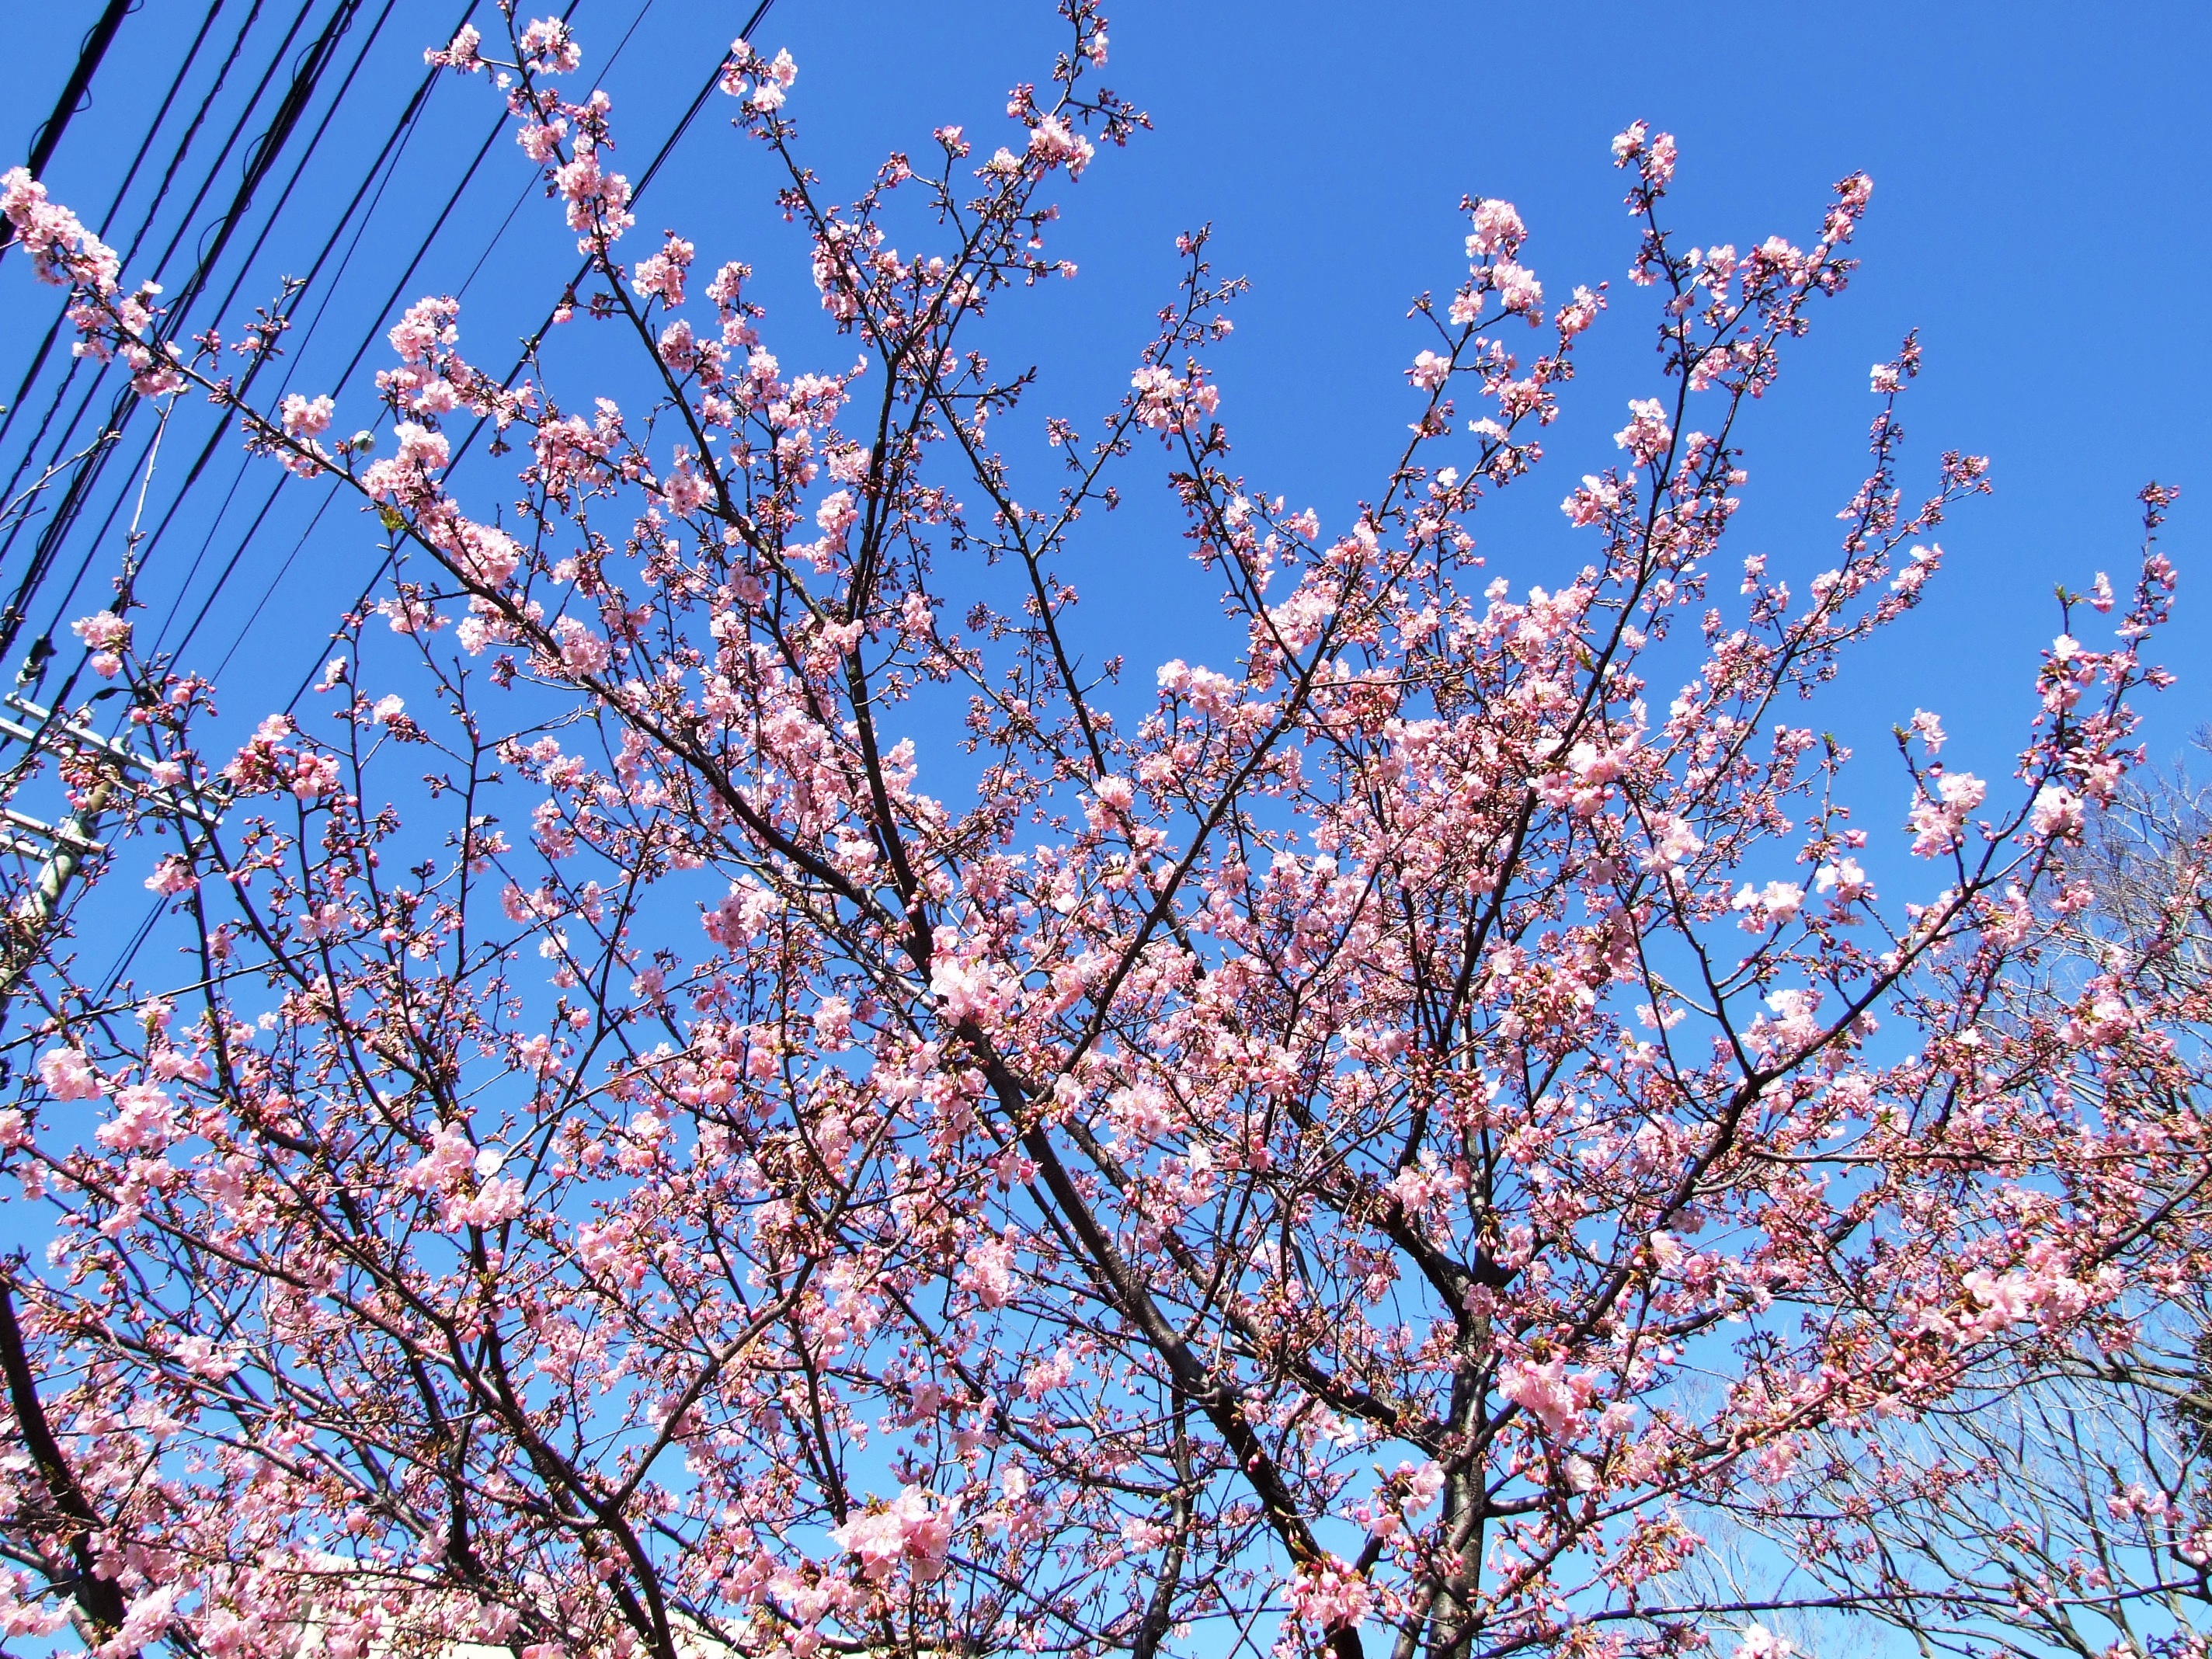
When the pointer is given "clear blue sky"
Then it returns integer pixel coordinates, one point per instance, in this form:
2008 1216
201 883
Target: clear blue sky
2040 214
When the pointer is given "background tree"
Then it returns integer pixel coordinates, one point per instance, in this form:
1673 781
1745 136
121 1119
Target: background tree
1360 1146
2062 1503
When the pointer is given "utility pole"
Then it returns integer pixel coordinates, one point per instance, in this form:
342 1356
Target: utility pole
35 918
24 935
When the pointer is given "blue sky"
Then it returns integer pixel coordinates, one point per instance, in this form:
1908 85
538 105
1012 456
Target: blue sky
2039 208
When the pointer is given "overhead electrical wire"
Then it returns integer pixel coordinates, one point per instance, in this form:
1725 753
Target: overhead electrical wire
404 123
368 340
361 352
41 156
71 437
114 978
532 342
260 160
398 288
395 140
307 77
221 428
94 48
403 126
129 255
268 589
376 179
49 135
156 269
277 485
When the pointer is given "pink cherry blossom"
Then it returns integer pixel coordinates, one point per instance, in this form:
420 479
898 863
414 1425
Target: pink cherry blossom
1548 1393
909 1532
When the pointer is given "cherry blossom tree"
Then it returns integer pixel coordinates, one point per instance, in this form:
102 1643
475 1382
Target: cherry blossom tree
1360 1146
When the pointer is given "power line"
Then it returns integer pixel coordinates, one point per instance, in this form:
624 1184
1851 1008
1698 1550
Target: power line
122 966
104 439
89 55
584 271
269 587
378 177
129 176
221 427
129 255
260 159
368 340
277 485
